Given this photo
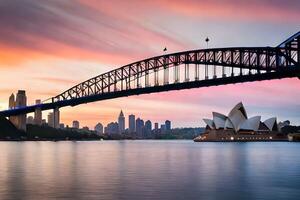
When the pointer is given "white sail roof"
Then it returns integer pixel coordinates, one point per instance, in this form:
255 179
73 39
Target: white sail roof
270 123
210 123
250 124
219 120
228 124
237 115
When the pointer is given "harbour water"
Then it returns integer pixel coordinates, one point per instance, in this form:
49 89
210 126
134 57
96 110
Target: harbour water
149 170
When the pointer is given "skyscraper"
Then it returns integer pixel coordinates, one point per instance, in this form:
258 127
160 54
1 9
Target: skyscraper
168 125
163 128
121 122
21 101
139 127
75 124
11 105
99 128
38 114
148 127
56 118
156 126
29 120
51 119
112 128
131 122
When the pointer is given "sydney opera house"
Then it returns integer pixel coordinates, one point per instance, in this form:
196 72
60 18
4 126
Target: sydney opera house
236 126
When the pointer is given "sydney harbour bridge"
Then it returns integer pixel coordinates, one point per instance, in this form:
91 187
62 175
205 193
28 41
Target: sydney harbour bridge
181 70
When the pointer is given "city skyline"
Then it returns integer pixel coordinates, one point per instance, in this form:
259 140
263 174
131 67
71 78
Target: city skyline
57 61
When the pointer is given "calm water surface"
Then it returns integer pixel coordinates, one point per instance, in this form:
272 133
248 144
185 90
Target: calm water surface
149 170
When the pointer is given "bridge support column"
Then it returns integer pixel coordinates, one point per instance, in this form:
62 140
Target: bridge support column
206 71
56 118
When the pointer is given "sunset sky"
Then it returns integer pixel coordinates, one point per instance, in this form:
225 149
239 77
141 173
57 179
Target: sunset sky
47 46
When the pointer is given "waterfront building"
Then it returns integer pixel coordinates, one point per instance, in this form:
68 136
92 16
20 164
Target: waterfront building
112 128
162 128
56 118
12 105
85 128
156 127
29 120
75 124
131 122
121 122
61 125
139 125
44 122
99 128
20 101
148 127
51 119
168 125
238 126
38 114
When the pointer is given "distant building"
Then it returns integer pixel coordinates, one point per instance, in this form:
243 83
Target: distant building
112 128
56 118
12 102
29 120
21 101
139 125
99 128
168 125
51 119
131 122
156 127
148 127
61 125
75 124
11 105
121 122
44 122
162 128
85 128
38 114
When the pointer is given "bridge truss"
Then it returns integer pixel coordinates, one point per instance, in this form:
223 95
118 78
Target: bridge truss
183 70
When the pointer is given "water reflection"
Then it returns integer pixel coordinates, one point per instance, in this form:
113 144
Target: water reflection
149 170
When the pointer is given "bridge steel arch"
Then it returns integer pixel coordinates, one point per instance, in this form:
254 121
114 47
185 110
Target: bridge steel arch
216 66
257 60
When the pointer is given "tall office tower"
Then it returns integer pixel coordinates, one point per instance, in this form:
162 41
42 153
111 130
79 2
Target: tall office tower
44 122
131 122
162 128
61 125
139 127
51 119
121 122
112 128
29 120
21 101
148 127
156 126
38 114
99 128
11 105
75 124
56 118
168 125
12 102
